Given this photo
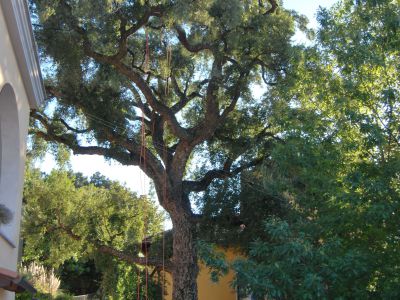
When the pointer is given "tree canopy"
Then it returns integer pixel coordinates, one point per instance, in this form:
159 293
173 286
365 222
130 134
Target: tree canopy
161 85
338 168
69 222
311 167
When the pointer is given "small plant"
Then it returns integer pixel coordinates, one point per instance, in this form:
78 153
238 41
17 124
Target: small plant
45 281
5 215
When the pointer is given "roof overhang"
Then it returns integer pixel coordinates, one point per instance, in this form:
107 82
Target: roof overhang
19 26
11 281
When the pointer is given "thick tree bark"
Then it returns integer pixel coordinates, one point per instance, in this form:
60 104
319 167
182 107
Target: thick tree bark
184 258
185 268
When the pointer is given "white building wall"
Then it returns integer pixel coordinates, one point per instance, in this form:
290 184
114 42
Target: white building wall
14 118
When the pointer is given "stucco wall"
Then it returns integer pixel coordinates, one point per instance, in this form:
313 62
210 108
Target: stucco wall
208 290
14 117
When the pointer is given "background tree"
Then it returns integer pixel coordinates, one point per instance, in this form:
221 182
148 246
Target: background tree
338 167
153 83
67 225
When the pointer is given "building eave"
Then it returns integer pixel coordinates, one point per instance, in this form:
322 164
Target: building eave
16 15
13 282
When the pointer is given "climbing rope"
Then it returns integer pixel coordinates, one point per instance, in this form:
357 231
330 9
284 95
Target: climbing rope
142 164
147 55
165 157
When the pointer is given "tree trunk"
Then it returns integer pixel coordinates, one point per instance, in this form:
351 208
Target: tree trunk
185 269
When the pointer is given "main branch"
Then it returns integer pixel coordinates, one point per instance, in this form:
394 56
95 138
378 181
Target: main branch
123 256
224 172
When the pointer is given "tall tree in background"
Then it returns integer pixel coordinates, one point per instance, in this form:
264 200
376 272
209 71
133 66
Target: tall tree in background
69 220
339 168
180 73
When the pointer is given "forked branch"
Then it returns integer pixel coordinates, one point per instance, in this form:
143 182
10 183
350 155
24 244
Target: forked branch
225 172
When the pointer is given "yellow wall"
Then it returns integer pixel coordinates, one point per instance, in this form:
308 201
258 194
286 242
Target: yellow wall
207 289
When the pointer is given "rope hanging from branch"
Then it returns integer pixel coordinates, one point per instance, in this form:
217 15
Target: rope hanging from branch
169 58
143 155
143 184
142 164
147 53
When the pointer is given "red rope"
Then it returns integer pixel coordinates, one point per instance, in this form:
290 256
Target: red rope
147 56
147 272
163 233
147 68
169 56
143 150
138 284
142 165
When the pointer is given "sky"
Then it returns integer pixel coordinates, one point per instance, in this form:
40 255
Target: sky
308 7
131 176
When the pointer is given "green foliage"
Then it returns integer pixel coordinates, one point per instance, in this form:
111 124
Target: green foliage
293 264
63 296
79 277
338 166
129 279
245 199
97 96
213 259
183 71
40 296
67 220
124 281
162 243
70 220
326 128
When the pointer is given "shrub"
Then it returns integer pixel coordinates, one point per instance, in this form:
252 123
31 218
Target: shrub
42 279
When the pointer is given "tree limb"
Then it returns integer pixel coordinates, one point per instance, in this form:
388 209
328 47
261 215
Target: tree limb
123 69
184 99
188 46
225 172
235 97
272 9
72 128
143 261
167 265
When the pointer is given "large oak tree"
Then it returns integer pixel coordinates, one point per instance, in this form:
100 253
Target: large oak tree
159 85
